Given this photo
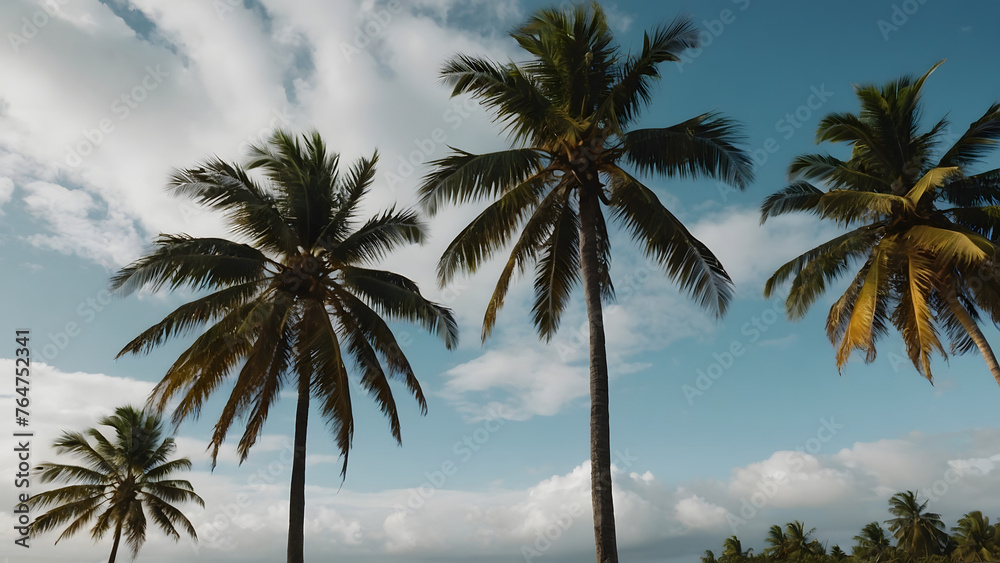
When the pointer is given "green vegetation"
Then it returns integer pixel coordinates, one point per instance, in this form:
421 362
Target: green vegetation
920 538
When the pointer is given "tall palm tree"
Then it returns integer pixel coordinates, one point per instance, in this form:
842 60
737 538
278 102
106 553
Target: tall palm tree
976 539
873 544
568 110
124 479
288 305
927 269
918 533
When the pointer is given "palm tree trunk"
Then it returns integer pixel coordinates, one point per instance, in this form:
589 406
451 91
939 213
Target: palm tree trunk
114 546
297 494
600 424
975 333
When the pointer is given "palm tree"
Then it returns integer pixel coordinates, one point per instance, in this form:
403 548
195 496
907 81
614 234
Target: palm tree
926 268
798 542
123 480
872 544
976 539
779 547
732 550
567 111
290 304
917 533
708 557
837 554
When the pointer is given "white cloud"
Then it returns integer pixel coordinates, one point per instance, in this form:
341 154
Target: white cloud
6 191
751 252
696 512
110 241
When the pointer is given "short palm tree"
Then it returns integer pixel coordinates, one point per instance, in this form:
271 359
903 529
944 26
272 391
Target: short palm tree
293 304
976 539
568 110
837 554
918 533
798 542
779 546
732 550
873 544
924 228
125 479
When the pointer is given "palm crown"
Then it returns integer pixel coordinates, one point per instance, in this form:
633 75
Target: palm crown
124 478
569 108
295 300
926 269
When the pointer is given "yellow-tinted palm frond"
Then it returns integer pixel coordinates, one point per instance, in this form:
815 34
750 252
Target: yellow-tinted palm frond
953 244
933 179
912 316
868 309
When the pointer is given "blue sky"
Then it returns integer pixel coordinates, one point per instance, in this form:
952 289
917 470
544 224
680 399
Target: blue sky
509 419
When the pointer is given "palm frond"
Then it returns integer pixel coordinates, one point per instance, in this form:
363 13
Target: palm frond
797 196
867 311
380 235
913 316
633 90
814 269
686 260
198 263
397 297
463 176
704 146
492 229
978 140
558 269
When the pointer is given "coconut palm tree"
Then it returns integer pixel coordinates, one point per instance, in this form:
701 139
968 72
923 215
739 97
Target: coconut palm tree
125 480
918 533
924 228
873 544
976 539
568 110
708 557
837 554
293 303
779 548
732 550
798 542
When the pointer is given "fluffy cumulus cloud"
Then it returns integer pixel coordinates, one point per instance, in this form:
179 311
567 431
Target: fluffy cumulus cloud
78 225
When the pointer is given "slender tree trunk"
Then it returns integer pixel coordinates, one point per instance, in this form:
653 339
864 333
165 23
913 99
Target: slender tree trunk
114 546
975 333
600 424
297 494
